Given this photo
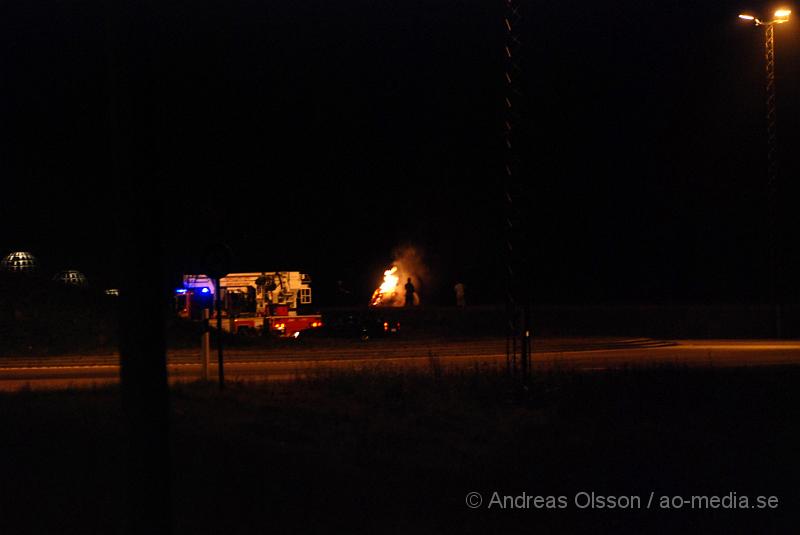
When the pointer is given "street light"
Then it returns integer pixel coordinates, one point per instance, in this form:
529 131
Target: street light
780 16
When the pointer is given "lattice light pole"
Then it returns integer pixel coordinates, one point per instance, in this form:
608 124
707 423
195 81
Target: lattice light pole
781 16
518 337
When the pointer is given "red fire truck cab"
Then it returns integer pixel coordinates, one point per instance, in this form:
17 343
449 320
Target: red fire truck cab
252 303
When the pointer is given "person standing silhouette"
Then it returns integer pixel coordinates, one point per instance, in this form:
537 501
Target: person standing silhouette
461 301
409 293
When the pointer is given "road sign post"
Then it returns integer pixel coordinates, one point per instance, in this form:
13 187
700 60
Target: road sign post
218 258
219 338
205 344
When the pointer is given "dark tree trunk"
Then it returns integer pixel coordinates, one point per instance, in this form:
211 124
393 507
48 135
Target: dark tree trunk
143 378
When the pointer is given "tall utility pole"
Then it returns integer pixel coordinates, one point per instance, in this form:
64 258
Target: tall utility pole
772 176
781 16
518 310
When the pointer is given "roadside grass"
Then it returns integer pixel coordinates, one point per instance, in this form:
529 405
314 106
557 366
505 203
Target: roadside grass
387 450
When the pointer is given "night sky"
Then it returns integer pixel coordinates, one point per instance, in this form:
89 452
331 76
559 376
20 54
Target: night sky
319 136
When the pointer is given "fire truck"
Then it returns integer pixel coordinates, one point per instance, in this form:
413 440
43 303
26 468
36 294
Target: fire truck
252 303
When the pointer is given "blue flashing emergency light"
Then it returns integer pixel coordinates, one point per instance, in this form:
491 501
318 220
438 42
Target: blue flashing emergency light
180 291
205 290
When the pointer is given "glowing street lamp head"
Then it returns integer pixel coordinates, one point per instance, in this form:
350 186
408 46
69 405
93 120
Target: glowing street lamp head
782 15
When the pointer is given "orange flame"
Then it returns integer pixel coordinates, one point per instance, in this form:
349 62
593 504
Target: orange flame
388 288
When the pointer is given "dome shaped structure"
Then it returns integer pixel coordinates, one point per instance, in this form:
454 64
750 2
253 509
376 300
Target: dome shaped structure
18 261
71 277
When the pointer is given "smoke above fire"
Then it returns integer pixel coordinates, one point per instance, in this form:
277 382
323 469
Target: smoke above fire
407 264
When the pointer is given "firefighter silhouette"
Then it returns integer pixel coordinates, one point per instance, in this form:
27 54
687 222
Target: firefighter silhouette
409 293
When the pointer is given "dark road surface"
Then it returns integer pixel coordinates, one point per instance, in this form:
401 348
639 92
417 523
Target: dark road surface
294 360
